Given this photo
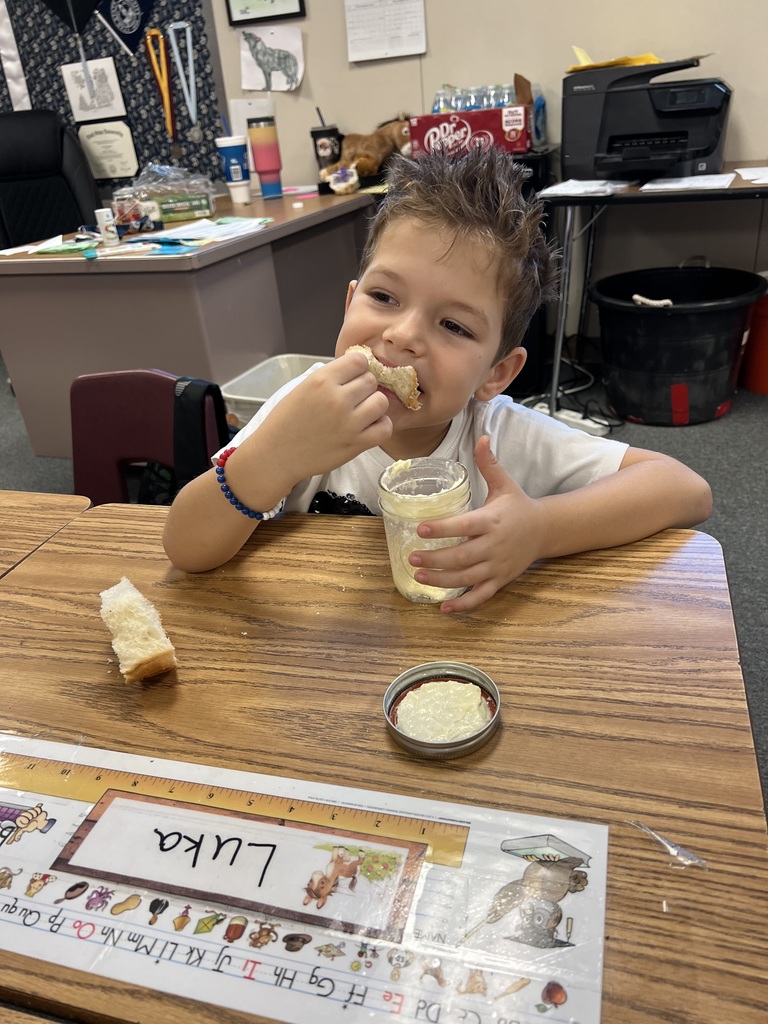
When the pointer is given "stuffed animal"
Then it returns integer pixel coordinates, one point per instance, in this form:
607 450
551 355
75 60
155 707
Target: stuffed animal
367 154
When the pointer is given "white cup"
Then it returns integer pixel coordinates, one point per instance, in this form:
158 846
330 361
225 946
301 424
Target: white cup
233 156
105 220
239 192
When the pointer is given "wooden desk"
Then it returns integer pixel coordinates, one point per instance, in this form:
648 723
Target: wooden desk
213 314
622 700
27 520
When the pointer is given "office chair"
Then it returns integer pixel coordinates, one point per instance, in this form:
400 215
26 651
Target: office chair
46 184
150 417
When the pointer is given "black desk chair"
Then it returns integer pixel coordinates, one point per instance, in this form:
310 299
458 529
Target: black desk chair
46 184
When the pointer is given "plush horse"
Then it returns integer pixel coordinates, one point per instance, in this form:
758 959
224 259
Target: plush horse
367 154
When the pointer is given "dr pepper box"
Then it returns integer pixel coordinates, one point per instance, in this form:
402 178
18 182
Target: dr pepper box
511 128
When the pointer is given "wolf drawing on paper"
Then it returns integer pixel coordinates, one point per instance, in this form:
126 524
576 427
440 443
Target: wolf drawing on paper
271 59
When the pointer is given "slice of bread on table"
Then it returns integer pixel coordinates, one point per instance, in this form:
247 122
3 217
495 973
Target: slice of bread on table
138 638
402 380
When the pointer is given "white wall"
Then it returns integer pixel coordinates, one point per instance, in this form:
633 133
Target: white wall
480 41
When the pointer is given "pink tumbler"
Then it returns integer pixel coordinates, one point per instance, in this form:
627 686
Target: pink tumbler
262 134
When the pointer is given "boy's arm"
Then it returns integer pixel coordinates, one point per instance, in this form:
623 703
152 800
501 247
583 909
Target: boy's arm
650 492
325 421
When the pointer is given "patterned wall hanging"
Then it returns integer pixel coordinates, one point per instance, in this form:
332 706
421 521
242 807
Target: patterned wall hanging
45 43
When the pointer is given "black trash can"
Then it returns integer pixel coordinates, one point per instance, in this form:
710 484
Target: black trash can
674 365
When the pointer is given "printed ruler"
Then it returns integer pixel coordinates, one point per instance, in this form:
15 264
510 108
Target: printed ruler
88 783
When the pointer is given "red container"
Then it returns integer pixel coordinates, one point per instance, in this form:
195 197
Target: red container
754 366
511 128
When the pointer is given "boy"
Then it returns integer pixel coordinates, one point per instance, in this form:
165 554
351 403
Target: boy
454 268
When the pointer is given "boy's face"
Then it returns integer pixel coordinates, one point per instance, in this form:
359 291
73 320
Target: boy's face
431 302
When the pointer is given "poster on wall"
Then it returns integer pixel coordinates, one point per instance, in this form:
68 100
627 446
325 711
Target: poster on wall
271 58
110 150
377 29
107 98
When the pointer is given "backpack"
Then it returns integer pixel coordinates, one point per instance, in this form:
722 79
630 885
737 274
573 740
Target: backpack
158 484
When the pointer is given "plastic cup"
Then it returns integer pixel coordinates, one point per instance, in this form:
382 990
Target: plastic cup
327 142
262 135
233 156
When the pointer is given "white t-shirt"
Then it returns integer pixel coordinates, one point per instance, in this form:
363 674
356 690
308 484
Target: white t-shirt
542 454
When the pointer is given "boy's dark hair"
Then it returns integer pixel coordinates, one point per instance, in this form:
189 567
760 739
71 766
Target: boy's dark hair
478 196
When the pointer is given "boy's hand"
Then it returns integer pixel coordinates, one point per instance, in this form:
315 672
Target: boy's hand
503 538
329 419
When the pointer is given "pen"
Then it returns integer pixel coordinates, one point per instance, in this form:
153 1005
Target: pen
92 254
161 241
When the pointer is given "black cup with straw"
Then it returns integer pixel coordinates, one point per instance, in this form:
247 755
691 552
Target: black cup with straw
327 141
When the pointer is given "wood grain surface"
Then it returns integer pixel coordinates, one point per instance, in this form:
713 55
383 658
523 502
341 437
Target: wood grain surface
26 520
622 699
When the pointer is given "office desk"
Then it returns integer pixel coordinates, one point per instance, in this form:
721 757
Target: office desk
27 520
622 699
739 190
212 314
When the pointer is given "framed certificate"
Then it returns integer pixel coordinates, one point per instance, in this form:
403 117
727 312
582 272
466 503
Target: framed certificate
248 12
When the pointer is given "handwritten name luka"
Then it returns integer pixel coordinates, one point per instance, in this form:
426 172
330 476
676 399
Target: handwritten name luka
169 842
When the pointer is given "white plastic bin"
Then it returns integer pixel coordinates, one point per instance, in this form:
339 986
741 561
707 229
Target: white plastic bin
245 395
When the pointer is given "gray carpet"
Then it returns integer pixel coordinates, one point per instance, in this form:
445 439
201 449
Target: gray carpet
730 453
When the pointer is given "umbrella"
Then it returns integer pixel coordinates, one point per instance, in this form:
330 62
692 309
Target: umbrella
74 13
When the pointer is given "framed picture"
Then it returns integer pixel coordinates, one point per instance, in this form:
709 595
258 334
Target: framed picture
247 12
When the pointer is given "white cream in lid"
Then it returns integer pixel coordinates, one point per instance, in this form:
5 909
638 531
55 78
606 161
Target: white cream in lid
443 711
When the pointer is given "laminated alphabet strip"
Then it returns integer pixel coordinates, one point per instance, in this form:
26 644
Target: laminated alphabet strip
325 897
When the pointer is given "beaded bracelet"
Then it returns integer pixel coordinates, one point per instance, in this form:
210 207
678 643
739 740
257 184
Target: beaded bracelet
220 476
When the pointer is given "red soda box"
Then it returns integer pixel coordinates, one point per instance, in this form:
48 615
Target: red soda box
511 128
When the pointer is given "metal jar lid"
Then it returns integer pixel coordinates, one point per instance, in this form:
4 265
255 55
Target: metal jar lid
433 671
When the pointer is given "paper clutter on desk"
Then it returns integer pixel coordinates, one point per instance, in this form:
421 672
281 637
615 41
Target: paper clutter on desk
576 187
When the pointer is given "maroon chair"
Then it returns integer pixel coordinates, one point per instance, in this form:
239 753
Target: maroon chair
126 417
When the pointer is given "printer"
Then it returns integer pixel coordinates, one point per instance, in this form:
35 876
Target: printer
619 123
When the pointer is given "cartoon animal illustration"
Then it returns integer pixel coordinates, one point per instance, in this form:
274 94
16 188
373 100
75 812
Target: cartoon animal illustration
321 884
433 968
475 984
536 896
366 154
99 898
399 960
271 59
37 882
7 876
537 924
264 934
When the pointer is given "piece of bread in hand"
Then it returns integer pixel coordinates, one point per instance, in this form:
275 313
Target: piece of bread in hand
402 380
138 638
